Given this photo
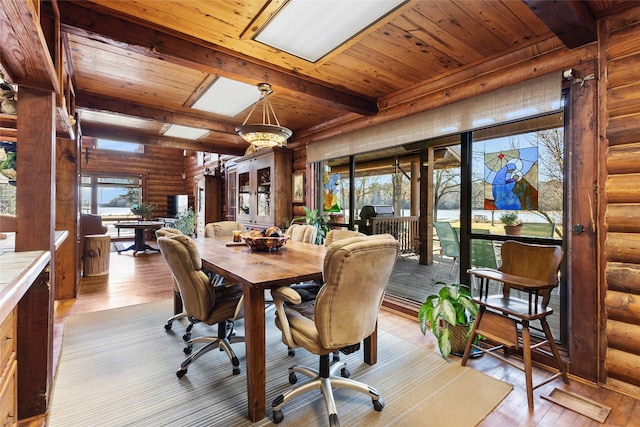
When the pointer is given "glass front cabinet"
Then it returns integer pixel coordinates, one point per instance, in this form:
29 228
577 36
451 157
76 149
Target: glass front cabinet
264 188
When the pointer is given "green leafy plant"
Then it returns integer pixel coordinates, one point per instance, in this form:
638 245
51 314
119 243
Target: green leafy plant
510 219
451 306
312 217
186 221
143 210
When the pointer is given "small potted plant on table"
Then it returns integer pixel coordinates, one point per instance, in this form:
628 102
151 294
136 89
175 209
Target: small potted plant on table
512 223
449 314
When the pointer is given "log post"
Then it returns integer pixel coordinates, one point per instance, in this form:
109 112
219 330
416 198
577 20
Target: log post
96 254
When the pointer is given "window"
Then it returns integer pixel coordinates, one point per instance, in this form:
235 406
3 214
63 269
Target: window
125 147
517 173
524 160
111 196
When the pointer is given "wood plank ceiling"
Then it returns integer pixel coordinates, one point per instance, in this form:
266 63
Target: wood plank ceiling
137 65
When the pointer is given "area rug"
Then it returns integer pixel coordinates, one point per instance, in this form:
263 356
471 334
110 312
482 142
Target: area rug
118 366
120 246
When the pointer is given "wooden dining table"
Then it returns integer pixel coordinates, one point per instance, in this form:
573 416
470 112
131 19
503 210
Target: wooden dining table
294 262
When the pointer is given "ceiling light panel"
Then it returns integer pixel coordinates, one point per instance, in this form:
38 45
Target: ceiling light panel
185 132
227 97
310 29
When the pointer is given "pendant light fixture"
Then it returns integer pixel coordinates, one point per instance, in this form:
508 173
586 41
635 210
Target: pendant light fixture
265 134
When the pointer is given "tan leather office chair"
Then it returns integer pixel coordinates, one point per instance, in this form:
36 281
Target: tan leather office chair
221 228
356 273
335 235
168 232
532 269
203 302
302 233
309 290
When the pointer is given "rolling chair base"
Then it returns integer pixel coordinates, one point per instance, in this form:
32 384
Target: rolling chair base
223 341
325 380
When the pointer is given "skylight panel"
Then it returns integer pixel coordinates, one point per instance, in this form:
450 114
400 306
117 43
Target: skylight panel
227 97
310 29
186 132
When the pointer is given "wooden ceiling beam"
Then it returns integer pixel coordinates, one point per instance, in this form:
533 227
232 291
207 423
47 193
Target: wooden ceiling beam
99 103
23 47
121 134
571 21
197 54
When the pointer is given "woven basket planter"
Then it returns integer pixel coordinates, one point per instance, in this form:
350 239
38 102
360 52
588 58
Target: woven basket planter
458 338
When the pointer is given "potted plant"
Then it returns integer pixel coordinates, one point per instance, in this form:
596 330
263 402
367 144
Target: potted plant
312 217
512 223
449 313
143 210
186 221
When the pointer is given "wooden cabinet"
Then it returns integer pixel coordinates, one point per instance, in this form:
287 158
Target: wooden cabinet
208 201
264 188
231 188
8 364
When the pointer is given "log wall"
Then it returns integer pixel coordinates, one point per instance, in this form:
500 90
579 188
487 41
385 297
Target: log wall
620 200
161 168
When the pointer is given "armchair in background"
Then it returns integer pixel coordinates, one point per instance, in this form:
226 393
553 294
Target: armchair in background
91 224
302 233
221 228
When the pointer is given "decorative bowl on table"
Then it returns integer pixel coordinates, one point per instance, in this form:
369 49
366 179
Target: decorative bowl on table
264 244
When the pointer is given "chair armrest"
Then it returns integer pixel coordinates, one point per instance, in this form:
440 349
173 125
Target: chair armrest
280 296
286 294
518 282
534 288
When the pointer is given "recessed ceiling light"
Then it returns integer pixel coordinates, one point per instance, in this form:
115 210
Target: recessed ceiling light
227 97
310 29
185 132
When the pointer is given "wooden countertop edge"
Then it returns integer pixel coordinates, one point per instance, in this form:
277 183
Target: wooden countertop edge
13 292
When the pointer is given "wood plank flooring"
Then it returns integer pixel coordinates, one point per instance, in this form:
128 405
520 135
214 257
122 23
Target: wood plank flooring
146 278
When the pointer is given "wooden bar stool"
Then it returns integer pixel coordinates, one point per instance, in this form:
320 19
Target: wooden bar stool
532 269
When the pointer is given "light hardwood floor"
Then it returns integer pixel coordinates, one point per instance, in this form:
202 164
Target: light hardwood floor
146 278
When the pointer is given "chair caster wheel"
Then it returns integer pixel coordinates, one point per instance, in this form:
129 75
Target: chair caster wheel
345 373
291 352
333 420
236 371
186 337
181 373
378 404
293 378
278 416
187 349
168 326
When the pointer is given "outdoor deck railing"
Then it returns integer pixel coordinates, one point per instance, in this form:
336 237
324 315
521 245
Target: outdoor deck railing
403 228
